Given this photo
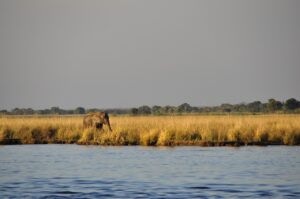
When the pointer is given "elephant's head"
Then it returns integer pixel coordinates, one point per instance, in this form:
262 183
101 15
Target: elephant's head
102 118
96 120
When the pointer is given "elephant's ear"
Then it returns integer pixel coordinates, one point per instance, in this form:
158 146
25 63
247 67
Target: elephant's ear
102 117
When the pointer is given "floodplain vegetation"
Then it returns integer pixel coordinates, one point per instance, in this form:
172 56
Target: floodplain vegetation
208 130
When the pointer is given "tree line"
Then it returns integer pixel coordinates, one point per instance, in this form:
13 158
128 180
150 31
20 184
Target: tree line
271 106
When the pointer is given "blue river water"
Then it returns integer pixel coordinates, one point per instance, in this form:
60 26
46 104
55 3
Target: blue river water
74 171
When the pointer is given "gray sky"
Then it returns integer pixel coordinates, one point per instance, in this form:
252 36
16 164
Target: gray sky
126 53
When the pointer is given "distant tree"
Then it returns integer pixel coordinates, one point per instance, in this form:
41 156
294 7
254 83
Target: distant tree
227 110
242 107
226 107
168 109
79 110
17 111
54 110
29 111
292 104
144 110
274 105
205 109
156 110
69 112
3 112
118 111
184 108
255 106
134 111
91 110
264 107
47 111
195 109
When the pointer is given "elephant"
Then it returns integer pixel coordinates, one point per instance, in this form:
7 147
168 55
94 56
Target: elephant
96 120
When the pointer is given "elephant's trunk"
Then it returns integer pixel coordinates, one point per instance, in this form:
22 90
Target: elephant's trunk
106 120
108 124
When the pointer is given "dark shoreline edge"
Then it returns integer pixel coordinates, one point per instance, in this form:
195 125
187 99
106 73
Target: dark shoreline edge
173 144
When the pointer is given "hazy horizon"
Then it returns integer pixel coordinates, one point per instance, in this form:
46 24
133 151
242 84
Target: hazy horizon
128 53
140 105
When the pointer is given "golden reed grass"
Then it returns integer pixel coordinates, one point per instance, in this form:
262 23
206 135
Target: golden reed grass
155 130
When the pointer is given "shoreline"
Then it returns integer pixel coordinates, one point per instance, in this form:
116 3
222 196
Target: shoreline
174 144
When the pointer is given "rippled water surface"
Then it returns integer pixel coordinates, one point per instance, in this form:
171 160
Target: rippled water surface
73 171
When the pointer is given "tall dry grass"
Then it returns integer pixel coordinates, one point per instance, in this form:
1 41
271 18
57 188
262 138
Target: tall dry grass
156 130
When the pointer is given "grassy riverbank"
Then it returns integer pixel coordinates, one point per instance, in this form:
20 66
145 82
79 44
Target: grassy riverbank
155 130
